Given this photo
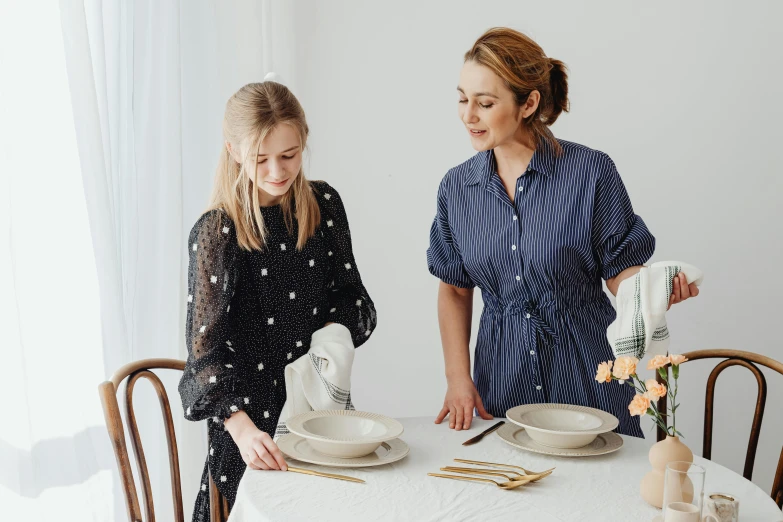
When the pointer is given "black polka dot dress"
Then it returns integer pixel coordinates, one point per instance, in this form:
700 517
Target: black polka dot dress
252 313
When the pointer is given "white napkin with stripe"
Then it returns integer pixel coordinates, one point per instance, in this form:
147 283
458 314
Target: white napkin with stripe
640 327
321 379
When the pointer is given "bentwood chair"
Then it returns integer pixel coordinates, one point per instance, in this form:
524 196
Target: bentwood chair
114 424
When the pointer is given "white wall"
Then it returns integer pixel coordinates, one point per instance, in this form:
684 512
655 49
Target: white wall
684 98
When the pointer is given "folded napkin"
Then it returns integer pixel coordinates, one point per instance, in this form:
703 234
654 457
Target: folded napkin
640 327
321 379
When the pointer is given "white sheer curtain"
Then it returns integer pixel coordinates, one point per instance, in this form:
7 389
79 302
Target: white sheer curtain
123 62
55 462
91 244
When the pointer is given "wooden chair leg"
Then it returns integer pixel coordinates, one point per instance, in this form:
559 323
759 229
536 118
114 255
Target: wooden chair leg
215 514
777 484
218 505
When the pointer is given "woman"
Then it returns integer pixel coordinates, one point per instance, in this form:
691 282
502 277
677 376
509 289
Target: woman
270 263
536 223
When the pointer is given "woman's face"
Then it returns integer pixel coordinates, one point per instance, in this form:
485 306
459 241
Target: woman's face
487 107
278 162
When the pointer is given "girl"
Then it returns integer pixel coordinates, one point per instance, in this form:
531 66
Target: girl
270 263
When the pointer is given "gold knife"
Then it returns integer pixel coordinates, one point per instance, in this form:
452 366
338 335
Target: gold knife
483 433
326 475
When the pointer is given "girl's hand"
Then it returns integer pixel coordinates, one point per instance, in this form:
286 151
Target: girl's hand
257 448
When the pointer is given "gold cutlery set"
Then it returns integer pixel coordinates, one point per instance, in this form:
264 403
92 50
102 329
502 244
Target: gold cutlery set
513 478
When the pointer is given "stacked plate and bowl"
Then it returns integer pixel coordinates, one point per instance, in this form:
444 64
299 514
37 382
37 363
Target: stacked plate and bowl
343 438
563 430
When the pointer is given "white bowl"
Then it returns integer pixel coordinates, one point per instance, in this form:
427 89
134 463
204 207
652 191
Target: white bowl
344 433
562 425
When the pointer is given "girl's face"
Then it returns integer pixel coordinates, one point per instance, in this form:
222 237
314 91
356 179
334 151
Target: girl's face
278 162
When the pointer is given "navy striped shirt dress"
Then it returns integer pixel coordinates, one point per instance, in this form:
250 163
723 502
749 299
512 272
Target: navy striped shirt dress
539 262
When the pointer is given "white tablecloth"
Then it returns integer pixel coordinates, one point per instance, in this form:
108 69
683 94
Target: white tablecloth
604 488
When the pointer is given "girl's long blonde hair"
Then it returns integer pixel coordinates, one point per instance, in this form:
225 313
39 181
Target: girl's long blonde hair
251 114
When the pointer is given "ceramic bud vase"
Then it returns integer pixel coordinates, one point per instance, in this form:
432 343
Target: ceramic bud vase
668 450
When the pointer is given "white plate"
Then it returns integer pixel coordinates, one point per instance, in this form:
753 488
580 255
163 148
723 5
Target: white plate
601 445
562 425
344 433
298 448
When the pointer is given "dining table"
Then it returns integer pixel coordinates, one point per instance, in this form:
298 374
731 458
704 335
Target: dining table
601 488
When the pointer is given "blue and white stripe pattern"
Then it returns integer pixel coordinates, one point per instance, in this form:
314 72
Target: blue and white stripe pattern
539 261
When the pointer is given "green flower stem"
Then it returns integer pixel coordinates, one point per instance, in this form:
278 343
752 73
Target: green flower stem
653 410
675 372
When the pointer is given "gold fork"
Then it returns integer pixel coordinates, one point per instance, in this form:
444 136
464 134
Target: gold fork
509 474
509 484
526 471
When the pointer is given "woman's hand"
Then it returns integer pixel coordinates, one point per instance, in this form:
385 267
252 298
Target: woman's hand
461 398
681 290
257 448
